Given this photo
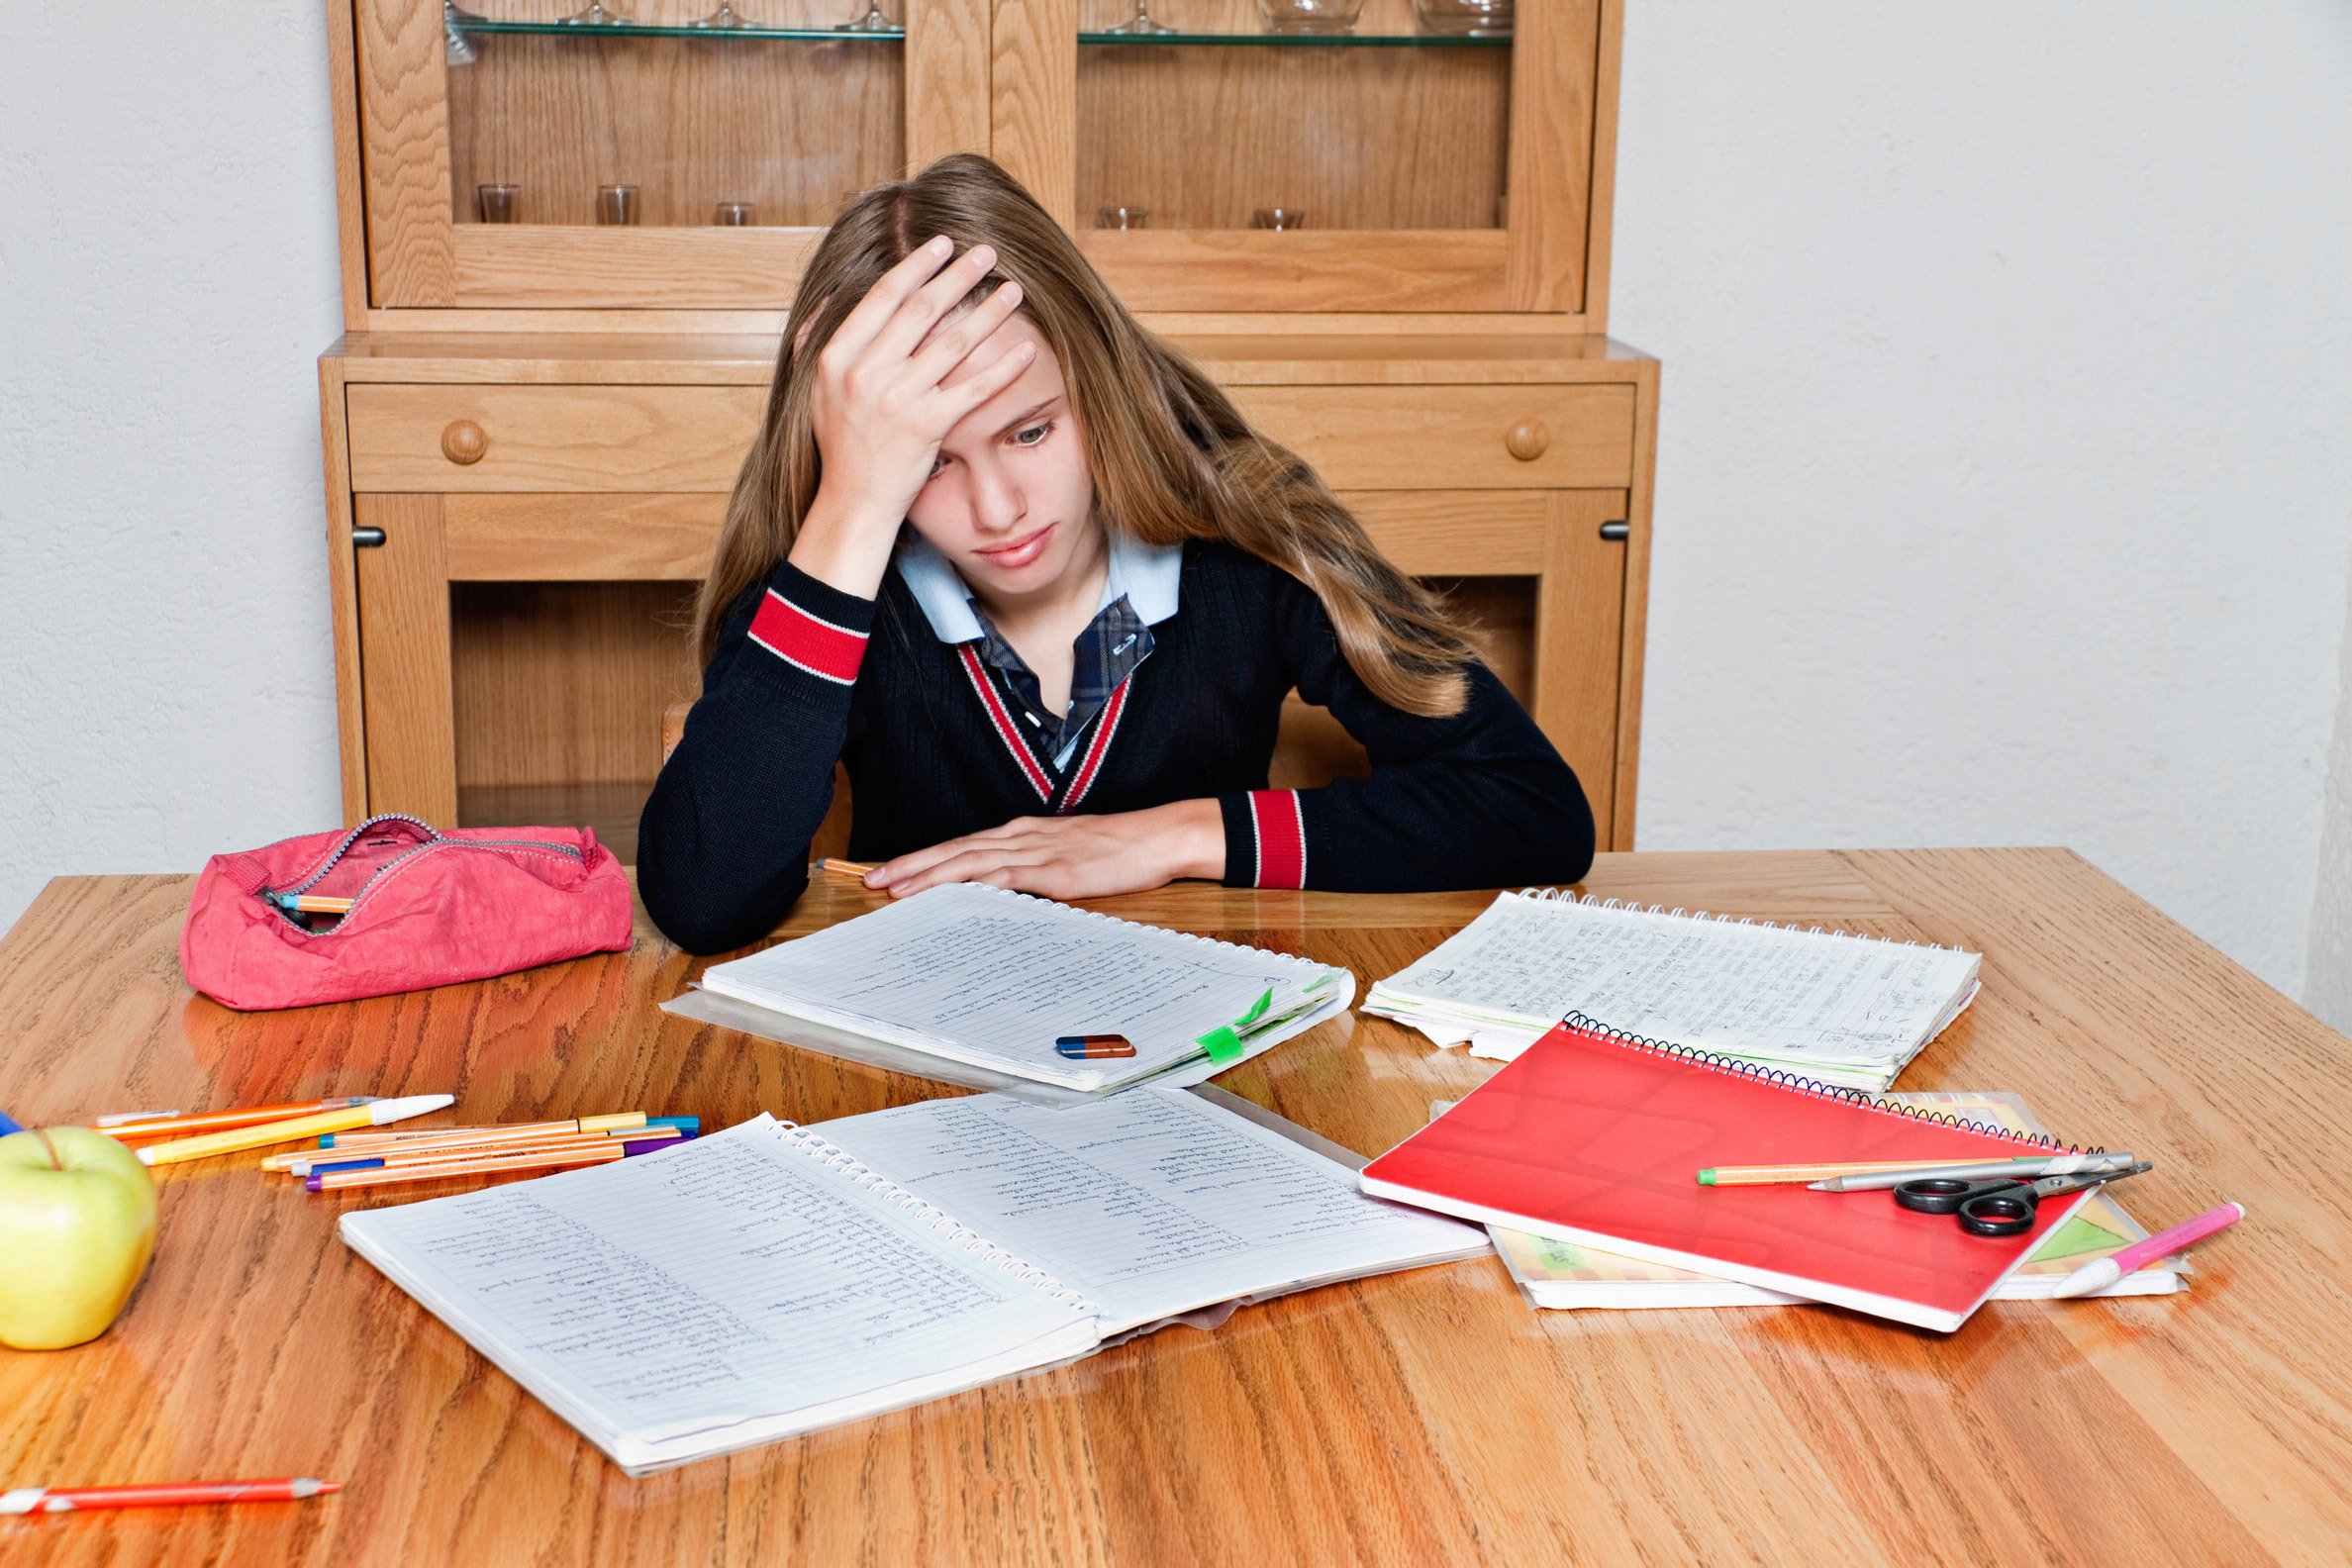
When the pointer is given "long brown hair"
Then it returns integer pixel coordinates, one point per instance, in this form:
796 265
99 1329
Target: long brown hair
1170 455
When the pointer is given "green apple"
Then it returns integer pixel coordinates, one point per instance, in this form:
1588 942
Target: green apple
77 1225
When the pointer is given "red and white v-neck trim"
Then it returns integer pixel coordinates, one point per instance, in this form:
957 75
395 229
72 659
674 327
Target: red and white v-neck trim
1001 718
1091 765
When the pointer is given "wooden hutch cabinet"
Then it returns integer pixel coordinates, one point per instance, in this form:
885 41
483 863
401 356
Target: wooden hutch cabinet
537 412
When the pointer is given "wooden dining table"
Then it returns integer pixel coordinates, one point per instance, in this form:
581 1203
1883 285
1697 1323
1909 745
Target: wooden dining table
1426 1417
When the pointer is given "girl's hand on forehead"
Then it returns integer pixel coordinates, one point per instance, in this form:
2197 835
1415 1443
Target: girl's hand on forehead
880 406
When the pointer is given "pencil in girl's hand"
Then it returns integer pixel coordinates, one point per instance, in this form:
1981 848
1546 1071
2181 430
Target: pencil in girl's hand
851 868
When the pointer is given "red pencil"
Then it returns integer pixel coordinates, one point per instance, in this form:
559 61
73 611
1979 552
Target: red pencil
68 1500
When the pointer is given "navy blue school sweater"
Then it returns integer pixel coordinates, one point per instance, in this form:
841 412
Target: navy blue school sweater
806 674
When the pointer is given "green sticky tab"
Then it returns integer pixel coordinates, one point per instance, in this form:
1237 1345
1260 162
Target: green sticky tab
1257 1010
1221 1043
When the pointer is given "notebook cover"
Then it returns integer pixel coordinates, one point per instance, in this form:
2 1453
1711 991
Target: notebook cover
1598 1140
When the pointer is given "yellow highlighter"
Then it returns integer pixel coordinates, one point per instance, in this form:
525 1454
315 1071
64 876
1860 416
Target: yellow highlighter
373 1115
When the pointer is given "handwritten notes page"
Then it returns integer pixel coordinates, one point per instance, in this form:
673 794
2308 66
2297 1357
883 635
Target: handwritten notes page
1150 1204
983 976
1757 991
730 1291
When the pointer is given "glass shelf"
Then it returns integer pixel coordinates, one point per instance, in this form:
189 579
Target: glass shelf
640 29
1304 40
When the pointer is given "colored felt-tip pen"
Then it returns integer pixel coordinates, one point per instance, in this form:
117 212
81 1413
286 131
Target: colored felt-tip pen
71 1500
323 1164
2099 1275
173 1124
240 1139
337 1181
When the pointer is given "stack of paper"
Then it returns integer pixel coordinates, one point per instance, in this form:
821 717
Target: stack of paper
1839 1008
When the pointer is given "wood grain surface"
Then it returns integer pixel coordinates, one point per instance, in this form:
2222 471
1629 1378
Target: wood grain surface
1425 1417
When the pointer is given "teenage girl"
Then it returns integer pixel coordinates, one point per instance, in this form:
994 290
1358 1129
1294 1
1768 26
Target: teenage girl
1027 572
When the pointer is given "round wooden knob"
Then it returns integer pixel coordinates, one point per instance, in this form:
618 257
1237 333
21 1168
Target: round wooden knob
1526 440
463 442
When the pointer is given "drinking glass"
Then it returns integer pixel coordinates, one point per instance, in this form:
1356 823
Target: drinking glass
1122 217
1465 17
1278 217
617 204
736 215
1140 24
496 203
1310 16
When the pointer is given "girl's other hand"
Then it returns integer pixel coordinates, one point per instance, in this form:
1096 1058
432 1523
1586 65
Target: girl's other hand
880 411
1071 857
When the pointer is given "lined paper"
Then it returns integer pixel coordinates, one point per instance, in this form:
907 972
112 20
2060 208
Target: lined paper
1728 986
1151 1202
731 1277
989 977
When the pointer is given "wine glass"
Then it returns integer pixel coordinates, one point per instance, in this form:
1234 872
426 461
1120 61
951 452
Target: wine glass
1141 23
872 22
727 19
596 14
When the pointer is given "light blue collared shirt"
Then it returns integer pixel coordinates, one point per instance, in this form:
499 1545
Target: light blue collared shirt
1147 574
1146 577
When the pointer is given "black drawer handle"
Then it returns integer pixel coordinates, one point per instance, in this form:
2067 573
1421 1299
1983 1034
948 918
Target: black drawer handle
1617 531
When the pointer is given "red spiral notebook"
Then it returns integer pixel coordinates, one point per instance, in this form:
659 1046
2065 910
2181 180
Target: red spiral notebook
1598 1139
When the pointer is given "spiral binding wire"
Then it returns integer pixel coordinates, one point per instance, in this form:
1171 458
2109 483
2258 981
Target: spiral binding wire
1798 1084
838 1161
1535 895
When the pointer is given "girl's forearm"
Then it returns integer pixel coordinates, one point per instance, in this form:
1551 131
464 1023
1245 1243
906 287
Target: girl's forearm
845 542
1191 832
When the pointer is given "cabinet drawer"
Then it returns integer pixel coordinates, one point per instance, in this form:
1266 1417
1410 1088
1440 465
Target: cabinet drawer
551 437
692 438
1452 437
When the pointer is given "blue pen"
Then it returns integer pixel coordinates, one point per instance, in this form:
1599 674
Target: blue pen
8 1124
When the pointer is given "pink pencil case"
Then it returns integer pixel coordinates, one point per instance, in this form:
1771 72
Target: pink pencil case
427 909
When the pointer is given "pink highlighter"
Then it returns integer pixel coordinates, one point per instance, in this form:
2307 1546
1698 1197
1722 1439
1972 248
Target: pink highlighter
2100 1275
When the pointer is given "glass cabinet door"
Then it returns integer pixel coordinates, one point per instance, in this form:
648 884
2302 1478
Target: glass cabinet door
644 153
1430 155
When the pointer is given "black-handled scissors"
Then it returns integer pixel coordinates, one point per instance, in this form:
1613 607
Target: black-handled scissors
1998 1205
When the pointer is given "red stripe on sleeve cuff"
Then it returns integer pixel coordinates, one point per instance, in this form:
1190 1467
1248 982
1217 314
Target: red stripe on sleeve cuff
1281 838
812 642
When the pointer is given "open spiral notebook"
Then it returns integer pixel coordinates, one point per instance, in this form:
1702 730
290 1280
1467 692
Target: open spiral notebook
973 984
772 1279
1830 1006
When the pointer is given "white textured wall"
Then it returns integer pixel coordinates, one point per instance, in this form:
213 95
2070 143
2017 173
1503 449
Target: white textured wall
2005 492
2005 488
2327 990
167 279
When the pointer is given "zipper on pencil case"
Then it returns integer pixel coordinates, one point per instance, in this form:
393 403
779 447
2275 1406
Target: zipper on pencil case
281 898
